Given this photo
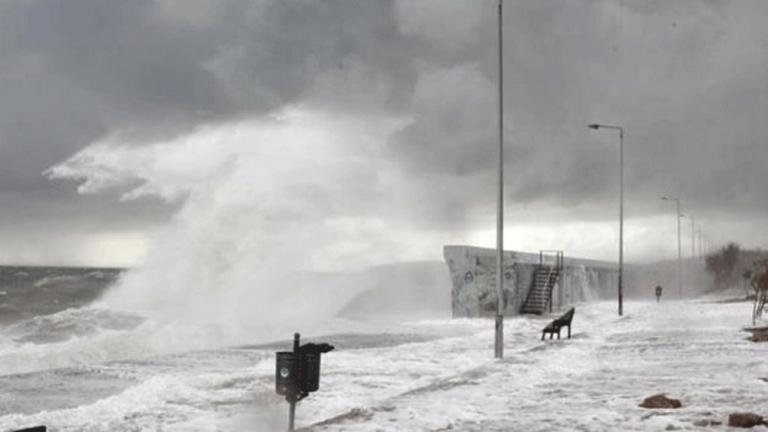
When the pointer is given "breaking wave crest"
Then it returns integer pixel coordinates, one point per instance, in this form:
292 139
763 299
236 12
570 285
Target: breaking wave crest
70 323
263 204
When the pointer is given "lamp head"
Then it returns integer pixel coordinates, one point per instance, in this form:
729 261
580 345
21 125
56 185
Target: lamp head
594 126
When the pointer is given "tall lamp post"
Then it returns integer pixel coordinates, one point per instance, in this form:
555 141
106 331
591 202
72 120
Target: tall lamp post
693 238
679 247
700 243
498 346
621 209
692 263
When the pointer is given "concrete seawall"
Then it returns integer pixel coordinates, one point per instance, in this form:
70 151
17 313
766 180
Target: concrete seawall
473 278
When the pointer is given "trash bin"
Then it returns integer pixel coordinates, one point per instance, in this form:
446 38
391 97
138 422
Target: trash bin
287 370
310 371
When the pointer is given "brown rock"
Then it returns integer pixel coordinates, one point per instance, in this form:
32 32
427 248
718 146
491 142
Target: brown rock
745 420
660 401
759 334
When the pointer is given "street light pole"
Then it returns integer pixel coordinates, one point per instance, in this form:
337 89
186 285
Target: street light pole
700 242
693 237
499 333
621 221
679 247
621 209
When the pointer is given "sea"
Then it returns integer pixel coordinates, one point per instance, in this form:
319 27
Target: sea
75 362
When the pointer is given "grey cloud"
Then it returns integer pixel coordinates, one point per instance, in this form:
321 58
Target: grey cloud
685 78
75 71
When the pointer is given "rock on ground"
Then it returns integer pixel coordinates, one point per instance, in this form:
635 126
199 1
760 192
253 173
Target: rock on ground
759 334
745 420
660 401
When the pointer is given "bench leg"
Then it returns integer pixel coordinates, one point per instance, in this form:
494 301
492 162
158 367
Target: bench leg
542 335
558 333
569 331
551 335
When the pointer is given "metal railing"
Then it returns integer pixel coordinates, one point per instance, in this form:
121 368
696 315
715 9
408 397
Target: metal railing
554 269
558 255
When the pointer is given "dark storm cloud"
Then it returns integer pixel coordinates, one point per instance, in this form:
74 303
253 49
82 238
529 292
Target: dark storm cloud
685 78
74 71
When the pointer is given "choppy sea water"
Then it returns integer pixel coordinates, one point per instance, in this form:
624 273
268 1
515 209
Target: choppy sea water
27 292
68 361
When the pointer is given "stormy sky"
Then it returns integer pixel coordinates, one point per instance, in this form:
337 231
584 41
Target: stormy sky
94 94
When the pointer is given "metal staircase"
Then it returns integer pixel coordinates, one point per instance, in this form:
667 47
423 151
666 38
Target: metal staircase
544 279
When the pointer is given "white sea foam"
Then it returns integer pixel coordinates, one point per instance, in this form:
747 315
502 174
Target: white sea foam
263 201
692 351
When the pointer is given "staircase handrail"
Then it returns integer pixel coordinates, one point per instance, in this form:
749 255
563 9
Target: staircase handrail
556 268
553 272
533 288
550 285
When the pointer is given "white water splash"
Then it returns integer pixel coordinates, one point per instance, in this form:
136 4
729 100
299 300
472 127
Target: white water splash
262 202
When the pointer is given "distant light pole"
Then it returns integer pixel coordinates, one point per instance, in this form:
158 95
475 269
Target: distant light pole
621 209
499 333
706 244
700 244
693 237
679 247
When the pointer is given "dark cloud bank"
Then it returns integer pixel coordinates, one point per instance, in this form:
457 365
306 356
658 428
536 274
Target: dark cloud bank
687 79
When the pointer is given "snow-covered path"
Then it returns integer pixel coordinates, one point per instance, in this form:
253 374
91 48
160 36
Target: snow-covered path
693 351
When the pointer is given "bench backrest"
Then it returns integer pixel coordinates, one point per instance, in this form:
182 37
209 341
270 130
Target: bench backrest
33 429
568 316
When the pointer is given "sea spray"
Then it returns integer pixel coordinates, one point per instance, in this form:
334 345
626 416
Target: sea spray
262 203
585 284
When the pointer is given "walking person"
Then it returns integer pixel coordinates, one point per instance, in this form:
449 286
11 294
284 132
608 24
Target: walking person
658 293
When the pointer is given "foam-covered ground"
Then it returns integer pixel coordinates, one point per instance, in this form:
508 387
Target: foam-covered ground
431 376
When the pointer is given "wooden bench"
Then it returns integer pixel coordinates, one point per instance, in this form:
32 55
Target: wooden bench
33 429
556 325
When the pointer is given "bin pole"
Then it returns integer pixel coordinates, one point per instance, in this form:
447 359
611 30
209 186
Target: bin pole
291 414
292 400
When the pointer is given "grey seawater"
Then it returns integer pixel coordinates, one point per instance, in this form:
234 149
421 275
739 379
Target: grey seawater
45 307
27 292
221 382
42 305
